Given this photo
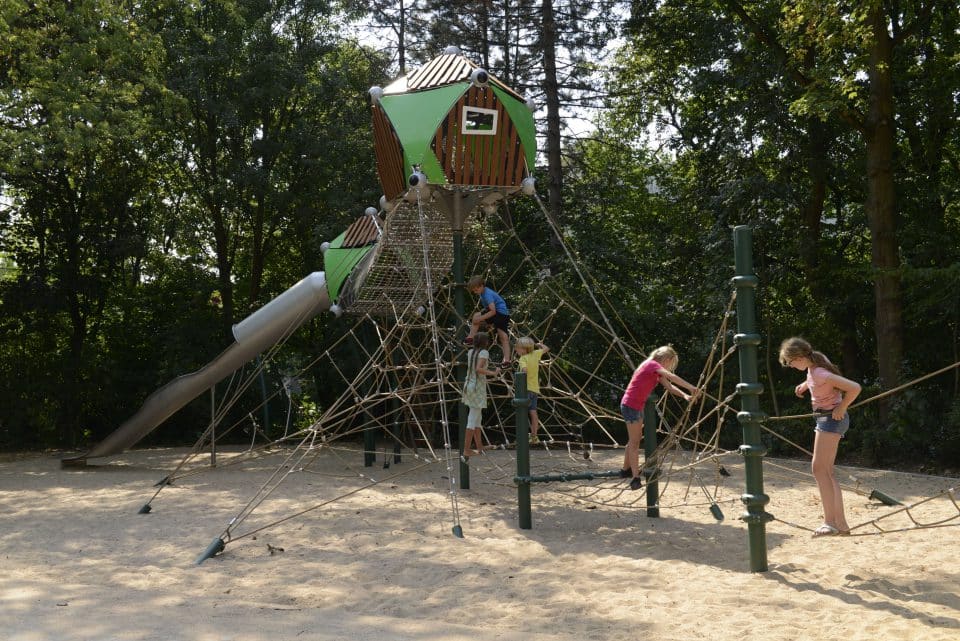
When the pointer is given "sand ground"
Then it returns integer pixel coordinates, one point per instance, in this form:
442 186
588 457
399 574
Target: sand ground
380 562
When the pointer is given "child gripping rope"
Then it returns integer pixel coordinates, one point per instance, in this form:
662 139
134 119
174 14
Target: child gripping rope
658 368
475 392
530 353
493 310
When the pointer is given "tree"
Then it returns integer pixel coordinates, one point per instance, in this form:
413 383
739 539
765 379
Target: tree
80 102
268 102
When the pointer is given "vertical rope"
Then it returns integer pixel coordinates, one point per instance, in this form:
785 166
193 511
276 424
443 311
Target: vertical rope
586 285
438 365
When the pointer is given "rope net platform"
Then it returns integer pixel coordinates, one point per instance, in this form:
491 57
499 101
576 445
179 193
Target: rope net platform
397 367
392 279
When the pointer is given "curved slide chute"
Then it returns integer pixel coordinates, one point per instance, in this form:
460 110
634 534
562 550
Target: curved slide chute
264 328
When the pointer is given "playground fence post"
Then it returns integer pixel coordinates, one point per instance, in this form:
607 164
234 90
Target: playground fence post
521 403
651 469
749 390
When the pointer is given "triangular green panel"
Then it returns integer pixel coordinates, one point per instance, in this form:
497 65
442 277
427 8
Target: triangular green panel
415 117
522 119
339 262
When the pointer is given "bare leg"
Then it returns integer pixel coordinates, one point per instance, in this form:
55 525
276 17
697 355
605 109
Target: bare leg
534 423
468 438
504 344
825 446
472 441
474 327
472 432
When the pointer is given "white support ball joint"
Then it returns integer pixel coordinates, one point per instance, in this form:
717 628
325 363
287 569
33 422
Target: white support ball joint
417 180
479 77
418 186
452 50
370 211
376 93
324 246
336 310
529 186
387 205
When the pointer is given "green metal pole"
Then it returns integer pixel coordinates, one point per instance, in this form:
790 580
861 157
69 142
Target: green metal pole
369 432
883 498
394 409
213 425
521 403
564 478
749 391
459 303
266 401
651 471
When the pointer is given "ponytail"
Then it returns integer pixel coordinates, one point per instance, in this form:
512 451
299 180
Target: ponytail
797 347
820 360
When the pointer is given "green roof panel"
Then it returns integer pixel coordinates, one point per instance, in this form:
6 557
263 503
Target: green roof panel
339 262
522 119
415 117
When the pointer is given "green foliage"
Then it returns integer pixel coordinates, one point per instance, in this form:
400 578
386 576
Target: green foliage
154 154
150 157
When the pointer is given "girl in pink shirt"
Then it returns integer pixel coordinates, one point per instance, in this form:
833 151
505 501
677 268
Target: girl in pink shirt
830 394
658 368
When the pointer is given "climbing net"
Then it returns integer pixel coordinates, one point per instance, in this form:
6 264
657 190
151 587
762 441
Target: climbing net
399 364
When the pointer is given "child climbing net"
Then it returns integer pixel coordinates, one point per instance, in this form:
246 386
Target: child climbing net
407 383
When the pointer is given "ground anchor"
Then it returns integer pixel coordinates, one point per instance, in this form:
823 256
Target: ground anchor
215 548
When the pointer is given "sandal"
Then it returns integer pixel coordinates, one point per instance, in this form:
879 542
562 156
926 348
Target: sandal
826 530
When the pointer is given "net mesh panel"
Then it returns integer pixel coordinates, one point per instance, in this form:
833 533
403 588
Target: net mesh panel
392 278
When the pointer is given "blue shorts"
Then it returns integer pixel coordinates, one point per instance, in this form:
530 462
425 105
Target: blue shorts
826 423
631 415
533 396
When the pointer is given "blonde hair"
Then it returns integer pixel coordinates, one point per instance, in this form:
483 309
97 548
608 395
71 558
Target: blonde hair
476 281
526 344
795 347
665 353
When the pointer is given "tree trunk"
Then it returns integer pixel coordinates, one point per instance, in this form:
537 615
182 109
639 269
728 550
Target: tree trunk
881 203
551 86
816 152
258 250
224 271
822 281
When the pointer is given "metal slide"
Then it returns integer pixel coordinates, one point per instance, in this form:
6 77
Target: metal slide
259 331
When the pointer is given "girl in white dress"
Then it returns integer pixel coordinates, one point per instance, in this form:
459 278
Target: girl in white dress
475 392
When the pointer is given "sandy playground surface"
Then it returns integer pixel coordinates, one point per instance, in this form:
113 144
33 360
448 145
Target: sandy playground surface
80 562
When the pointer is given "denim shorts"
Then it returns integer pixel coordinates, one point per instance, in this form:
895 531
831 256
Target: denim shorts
826 423
533 401
631 415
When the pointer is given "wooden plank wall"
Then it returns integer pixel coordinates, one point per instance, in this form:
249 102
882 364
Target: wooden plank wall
386 145
497 160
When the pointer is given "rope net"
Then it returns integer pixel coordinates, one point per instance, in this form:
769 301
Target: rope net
392 280
397 367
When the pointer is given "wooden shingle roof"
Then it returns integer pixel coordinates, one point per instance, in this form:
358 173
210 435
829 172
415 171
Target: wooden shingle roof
447 69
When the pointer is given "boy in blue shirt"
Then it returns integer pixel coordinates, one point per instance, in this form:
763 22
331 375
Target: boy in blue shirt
494 310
